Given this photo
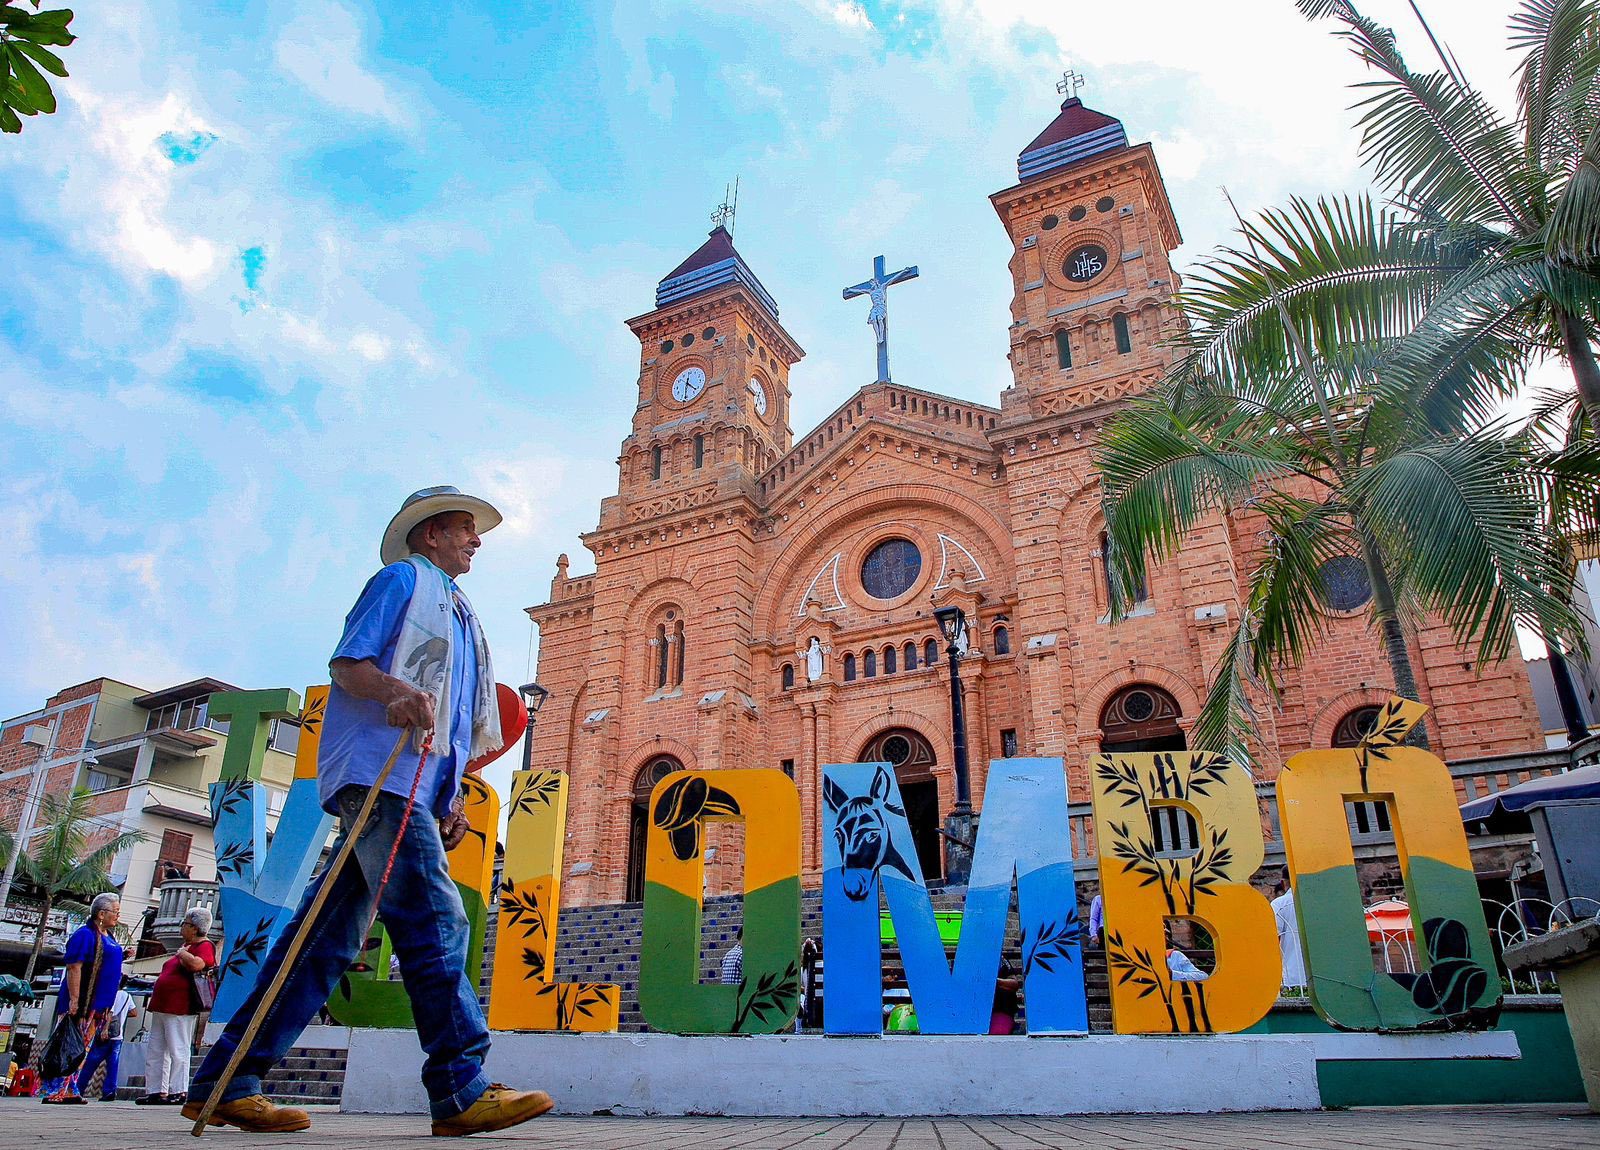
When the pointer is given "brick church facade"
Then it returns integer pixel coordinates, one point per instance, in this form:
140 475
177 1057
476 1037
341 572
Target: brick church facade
760 600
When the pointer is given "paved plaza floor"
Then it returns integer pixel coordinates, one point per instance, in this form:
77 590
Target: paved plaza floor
124 1126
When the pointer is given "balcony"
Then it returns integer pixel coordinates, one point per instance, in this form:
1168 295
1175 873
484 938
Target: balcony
178 898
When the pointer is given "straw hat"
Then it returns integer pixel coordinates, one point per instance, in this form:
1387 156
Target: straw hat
425 504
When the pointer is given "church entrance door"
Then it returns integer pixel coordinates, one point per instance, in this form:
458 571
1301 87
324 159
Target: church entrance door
644 782
912 758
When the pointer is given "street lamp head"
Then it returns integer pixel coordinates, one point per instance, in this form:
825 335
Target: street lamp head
533 696
951 622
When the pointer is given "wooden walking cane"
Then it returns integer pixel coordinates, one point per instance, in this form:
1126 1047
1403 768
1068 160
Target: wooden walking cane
299 940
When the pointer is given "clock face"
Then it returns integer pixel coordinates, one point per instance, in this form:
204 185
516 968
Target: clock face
691 382
759 395
1084 263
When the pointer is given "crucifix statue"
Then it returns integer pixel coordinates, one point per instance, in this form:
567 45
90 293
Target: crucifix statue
877 290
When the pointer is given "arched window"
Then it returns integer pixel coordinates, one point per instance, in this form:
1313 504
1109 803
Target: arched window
890 658
930 652
1063 350
869 663
699 450
788 676
1354 727
911 656
1141 717
849 668
1141 593
1002 640
677 654
660 644
1119 325
655 462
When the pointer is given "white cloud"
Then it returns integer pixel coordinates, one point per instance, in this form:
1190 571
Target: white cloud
850 14
321 47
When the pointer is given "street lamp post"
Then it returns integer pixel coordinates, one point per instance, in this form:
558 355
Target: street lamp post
960 828
533 697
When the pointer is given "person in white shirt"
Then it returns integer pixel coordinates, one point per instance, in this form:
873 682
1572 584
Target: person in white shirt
1294 966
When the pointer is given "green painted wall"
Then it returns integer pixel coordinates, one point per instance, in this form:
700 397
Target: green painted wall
1546 1072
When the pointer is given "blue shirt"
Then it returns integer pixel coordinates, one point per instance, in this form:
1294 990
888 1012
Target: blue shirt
356 735
80 949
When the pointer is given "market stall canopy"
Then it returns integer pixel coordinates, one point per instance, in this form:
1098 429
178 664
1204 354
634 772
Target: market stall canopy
1583 783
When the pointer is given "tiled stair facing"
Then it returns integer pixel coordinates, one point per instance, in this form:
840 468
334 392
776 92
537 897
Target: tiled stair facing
307 1075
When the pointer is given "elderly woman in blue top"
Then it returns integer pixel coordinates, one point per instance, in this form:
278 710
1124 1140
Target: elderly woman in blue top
89 982
412 656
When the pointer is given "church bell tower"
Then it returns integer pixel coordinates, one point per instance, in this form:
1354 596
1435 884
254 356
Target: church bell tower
714 362
1091 230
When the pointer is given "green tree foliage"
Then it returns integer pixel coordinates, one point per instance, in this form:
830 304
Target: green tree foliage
26 40
68 859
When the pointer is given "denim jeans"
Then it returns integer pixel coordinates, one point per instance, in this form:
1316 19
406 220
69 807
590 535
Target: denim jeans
109 1051
428 927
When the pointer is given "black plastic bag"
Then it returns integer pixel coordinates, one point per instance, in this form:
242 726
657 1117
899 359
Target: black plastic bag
64 1053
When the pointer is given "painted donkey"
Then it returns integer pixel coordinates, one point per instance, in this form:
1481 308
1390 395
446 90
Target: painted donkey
862 832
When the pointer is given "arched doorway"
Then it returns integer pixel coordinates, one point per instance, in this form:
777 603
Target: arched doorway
1141 717
912 758
644 782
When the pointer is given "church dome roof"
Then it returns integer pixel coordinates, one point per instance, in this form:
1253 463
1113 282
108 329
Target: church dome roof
713 264
1077 133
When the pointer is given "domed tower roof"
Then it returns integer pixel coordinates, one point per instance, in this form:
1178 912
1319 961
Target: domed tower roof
714 263
1076 134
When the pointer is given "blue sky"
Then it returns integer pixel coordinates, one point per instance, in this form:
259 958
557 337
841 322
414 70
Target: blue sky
273 266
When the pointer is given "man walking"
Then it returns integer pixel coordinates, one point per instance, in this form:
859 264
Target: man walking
412 656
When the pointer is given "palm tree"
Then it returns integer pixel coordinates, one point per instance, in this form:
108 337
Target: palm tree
1280 414
1345 340
62 865
1515 202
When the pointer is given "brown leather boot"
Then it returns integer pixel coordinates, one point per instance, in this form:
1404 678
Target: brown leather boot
254 1114
496 1108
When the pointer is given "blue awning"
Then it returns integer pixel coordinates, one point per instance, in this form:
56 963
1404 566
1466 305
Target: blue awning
1583 783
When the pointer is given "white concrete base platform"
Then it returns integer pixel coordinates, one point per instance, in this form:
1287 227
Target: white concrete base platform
912 1075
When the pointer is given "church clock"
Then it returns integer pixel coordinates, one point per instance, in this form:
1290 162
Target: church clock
758 396
691 381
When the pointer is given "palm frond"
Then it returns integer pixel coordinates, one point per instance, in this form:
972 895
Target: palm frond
1351 276
1555 82
1160 476
1429 136
1572 234
1463 522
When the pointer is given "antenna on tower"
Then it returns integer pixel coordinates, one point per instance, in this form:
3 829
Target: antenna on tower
728 209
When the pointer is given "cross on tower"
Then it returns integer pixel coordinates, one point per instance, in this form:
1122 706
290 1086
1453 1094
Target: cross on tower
877 290
1069 84
723 217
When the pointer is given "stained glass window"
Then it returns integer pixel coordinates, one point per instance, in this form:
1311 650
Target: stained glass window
1344 583
891 569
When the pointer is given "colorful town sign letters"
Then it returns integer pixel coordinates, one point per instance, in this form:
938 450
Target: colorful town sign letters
1178 837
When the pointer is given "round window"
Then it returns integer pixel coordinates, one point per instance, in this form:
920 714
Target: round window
1138 706
666 346
1077 213
750 342
891 569
688 340
709 333
1084 263
1345 586
896 749
1049 222
1104 204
